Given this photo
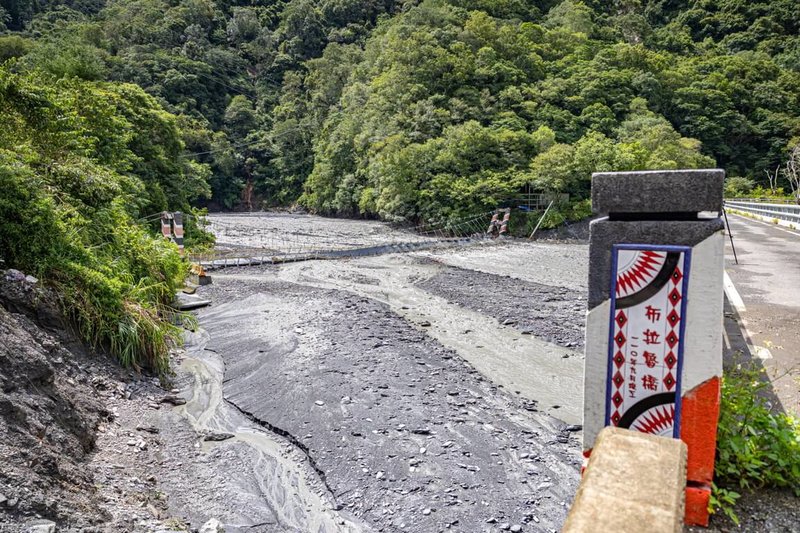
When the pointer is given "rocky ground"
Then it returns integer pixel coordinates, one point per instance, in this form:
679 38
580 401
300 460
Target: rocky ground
74 453
406 435
553 313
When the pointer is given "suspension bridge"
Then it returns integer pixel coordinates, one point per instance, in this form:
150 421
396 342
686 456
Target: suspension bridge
241 242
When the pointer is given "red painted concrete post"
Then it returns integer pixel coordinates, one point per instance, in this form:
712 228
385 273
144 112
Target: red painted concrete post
654 326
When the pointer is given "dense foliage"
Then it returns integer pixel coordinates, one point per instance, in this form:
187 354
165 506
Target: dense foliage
756 447
80 162
410 109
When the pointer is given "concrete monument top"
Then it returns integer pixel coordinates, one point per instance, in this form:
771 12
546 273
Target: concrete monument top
657 191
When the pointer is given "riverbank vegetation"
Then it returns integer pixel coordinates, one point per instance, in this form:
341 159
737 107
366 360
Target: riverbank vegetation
80 163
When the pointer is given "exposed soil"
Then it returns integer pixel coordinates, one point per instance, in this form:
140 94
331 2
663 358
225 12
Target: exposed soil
775 511
71 452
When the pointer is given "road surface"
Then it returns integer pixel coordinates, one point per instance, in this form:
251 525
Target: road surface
764 291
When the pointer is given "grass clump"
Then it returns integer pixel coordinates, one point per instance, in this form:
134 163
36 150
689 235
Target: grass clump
756 447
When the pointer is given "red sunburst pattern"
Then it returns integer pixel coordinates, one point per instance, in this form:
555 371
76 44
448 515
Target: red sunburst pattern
640 268
656 421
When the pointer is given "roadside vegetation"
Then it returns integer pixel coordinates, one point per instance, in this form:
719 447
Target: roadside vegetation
757 447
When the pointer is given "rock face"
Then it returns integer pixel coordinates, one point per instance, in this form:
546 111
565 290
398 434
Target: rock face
47 422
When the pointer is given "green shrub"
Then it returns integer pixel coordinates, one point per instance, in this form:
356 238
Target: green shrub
738 186
756 447
68 206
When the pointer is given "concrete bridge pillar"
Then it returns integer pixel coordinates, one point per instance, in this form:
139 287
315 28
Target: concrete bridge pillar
654 326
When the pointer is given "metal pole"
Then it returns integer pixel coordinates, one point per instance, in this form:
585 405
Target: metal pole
541 219
730 235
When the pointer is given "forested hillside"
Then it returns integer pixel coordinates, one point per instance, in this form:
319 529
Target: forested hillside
422 109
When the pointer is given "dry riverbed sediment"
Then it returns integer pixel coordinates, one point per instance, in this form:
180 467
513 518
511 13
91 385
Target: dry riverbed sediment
325 396
388 396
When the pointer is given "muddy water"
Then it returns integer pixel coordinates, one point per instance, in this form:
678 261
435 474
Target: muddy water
534 368
289 488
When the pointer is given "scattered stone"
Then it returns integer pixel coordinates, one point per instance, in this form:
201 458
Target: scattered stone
40 526
149 429
3 499
379 475
153 511
516 528
174 400
509 322
425 324
426 511
573 427
421 431
14 275
319 402
505 526
212 526
217 436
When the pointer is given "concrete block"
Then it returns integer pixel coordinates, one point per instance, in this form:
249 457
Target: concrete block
632 483
657 191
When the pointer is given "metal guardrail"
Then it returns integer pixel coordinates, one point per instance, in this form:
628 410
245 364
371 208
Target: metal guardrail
787 212
762 200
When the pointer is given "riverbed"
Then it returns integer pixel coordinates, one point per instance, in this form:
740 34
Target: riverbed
425 391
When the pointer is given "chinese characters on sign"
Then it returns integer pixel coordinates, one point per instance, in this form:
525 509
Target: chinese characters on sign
648 303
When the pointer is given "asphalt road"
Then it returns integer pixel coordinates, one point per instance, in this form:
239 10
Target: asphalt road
767 281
